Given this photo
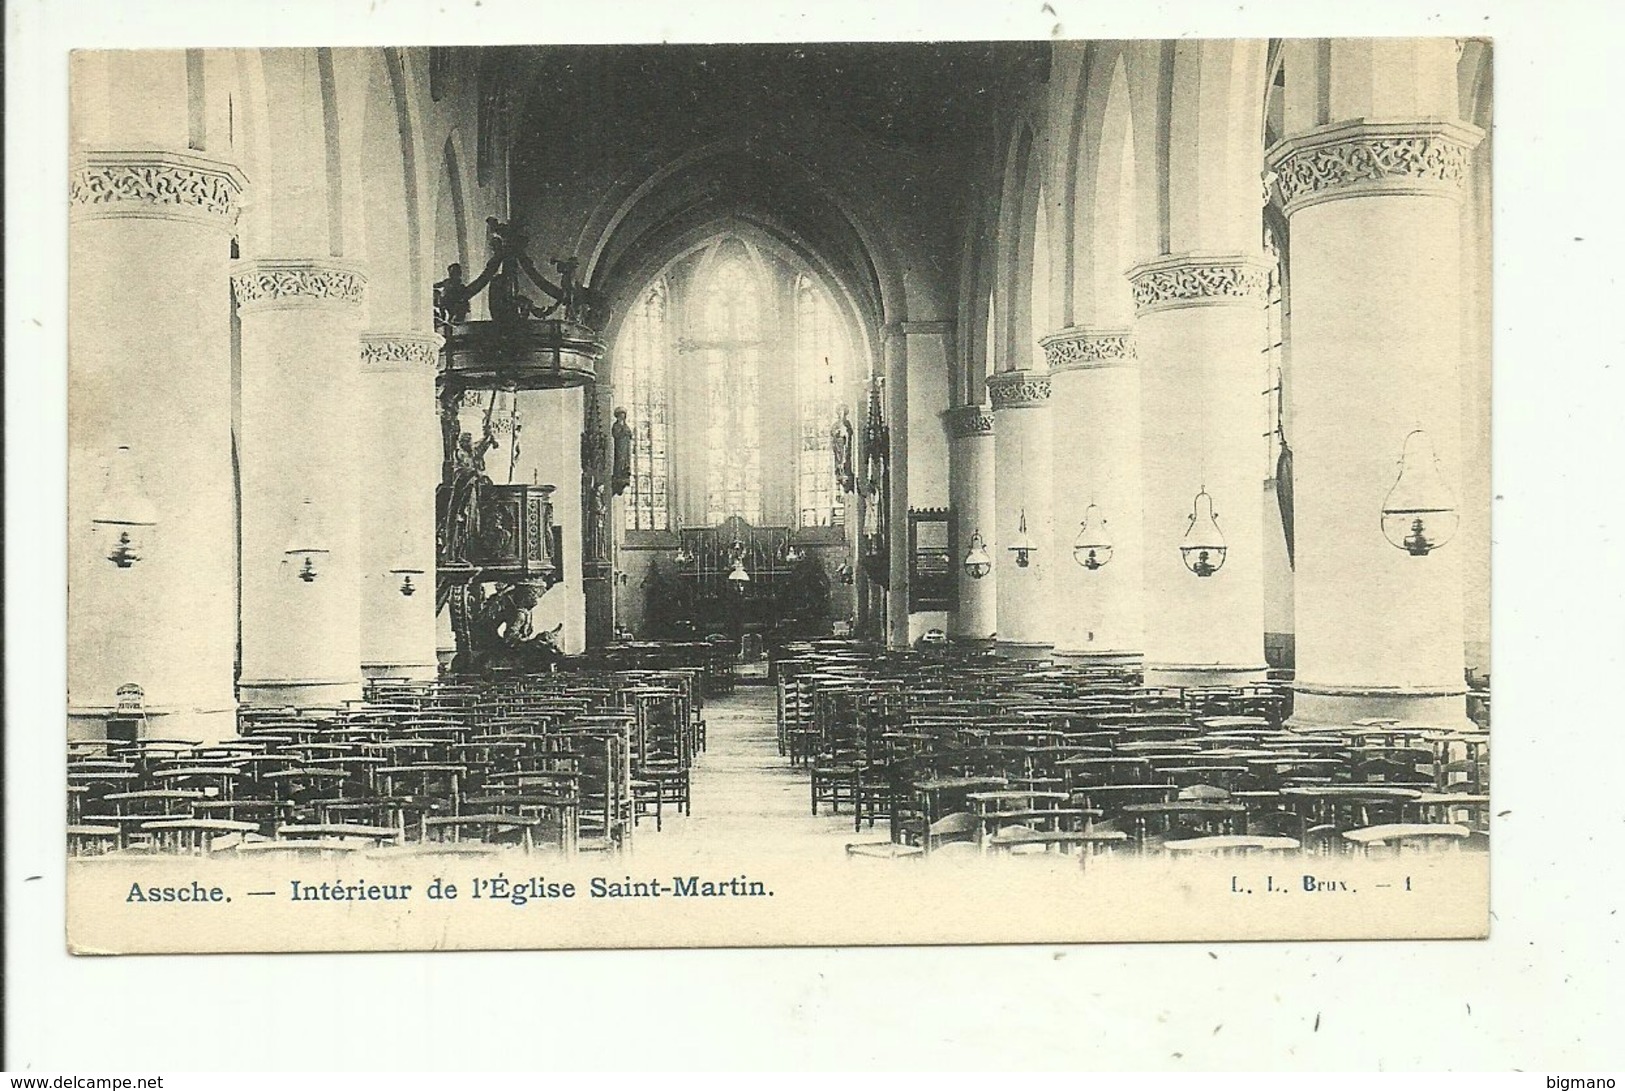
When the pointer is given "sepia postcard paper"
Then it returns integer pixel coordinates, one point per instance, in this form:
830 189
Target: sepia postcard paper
571 496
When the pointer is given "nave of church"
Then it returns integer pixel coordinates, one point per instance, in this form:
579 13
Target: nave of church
853 452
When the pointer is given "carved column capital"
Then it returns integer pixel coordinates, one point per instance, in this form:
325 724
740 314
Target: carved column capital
1079 347
968 421
154 184
405 352
1018 390
1199 280
1360 158
267 284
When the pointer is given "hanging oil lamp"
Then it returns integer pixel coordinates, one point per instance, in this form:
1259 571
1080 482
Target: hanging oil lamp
306 549
406 569
739 576
977 561
124 510
1419 514
1093 546
1203 548
683 557
1023 547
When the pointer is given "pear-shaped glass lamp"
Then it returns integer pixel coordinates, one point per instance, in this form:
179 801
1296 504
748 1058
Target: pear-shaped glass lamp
1023 547
124 512
307 549
977 561
1093 546
1419 514
1203 547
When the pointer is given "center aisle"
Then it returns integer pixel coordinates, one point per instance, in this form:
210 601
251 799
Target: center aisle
747 798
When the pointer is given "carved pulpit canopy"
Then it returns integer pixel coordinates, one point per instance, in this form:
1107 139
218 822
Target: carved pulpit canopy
525 344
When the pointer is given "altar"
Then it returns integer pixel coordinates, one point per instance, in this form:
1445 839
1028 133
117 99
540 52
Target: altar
736 579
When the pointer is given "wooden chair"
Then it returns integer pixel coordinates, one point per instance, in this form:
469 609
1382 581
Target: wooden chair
1230 845
493 828
1400 837
883 850
653 788
92 839
961 827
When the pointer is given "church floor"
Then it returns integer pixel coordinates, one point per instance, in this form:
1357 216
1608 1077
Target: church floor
747 799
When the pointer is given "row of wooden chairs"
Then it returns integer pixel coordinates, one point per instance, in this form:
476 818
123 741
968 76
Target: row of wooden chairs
1049 756
566 761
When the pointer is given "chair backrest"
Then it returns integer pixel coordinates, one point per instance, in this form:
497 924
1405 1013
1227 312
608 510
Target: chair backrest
959 826
1275 823
1388 772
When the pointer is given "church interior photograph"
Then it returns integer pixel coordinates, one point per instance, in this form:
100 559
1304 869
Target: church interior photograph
1072 451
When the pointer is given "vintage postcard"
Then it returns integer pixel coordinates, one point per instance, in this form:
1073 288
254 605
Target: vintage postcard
544 496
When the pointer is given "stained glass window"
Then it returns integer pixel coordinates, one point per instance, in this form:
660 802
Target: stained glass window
821 377
643 356
730 321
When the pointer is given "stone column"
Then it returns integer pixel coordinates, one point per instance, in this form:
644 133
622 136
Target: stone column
301 428
930 347
970 479
399 468
1197 323
599 529
896 357
1095 379
1376 353
150 244
550 454
1022 464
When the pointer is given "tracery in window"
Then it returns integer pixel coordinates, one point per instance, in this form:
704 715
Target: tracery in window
642 355
821 376
730 342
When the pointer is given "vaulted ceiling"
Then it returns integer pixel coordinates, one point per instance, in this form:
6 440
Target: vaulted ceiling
842 149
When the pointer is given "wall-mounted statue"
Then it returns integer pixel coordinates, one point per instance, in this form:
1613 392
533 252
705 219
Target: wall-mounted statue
621 435
466 478
840 446
596 547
